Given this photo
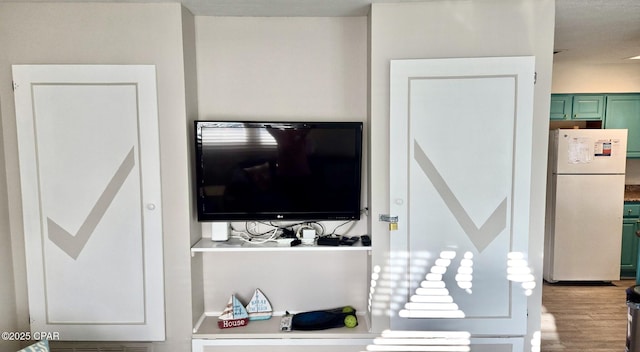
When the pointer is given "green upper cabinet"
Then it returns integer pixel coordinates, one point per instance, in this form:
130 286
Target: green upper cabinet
561 105
623 111
577 107
588 107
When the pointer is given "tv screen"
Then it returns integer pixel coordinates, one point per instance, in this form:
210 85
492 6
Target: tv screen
278 170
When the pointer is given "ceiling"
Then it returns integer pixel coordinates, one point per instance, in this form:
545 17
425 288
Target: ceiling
589 31
597 31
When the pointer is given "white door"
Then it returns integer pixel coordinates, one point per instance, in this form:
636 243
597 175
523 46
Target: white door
90 177
460 168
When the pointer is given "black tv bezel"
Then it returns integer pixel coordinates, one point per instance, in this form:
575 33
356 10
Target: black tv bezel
329 215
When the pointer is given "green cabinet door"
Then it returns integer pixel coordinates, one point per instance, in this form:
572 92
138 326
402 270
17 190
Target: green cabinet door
623 111
561 105
629 253
577 107
588 107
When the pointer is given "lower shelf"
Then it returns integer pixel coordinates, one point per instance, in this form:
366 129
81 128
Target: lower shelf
281 345
270 329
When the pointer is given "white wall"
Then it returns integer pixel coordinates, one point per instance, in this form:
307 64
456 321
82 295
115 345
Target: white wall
441 29
101 33
577 77
282 68
9 321
632 176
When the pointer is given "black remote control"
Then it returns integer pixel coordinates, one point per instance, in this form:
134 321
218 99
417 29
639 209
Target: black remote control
366 240
328 241
349 241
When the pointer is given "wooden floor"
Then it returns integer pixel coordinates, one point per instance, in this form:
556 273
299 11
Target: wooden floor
584 317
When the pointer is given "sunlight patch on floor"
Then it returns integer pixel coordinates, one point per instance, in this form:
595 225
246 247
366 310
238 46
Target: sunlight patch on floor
548 328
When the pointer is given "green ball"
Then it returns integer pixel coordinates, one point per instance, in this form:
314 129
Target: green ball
347 309
350 321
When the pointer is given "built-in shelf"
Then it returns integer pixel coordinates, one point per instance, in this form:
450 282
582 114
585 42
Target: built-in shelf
233 244
207 328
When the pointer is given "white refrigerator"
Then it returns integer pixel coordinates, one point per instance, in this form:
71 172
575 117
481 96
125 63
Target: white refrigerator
585 201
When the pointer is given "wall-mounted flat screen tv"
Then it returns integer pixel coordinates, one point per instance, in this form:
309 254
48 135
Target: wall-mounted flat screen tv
278 170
